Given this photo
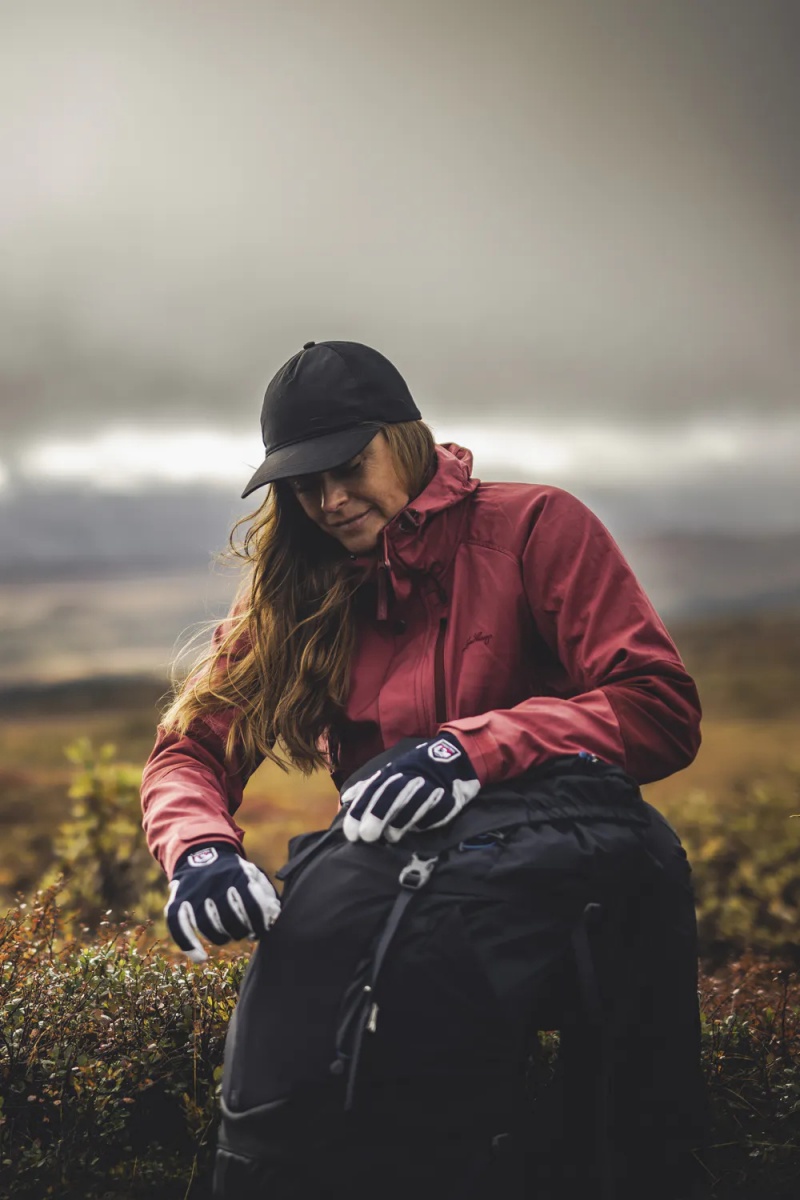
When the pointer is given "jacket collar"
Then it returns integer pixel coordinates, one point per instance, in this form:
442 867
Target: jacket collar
421 540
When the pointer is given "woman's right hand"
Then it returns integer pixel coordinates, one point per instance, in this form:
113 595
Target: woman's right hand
217 894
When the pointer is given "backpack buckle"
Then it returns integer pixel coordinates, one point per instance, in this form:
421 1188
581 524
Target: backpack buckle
416 873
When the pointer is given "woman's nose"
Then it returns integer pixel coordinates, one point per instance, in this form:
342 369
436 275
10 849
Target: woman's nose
333 494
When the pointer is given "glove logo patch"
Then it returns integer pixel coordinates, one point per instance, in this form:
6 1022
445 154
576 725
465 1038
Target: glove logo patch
201 858
443 751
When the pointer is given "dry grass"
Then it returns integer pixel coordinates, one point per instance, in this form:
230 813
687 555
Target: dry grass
735 751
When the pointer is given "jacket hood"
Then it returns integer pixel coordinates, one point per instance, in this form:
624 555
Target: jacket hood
450 485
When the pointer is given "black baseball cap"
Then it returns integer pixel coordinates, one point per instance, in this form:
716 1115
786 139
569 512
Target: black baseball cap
324 405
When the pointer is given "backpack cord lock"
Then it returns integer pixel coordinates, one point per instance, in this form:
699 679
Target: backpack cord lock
416 873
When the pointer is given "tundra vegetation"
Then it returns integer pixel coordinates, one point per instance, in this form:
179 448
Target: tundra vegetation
111 1041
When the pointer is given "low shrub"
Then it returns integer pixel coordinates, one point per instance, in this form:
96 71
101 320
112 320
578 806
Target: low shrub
101 857
111 1060
745 857
750 1013
111 1043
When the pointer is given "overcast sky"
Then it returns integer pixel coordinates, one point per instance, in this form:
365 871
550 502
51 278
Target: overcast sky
573 225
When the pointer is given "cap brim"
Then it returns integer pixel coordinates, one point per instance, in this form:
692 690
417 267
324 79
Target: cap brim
312 455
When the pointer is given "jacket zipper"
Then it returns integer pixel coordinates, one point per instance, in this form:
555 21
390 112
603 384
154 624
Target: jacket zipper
438 673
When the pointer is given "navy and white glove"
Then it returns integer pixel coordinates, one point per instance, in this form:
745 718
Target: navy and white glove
423 788
216 893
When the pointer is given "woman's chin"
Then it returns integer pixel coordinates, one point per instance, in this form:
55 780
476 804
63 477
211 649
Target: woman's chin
363 543
362 537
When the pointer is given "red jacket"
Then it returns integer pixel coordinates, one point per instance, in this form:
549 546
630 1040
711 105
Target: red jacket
503 612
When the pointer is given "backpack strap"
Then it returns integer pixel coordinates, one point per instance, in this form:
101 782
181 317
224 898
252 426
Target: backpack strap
414 875
593 1008
587 976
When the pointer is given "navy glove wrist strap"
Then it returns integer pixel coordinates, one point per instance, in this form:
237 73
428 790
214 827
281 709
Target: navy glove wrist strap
220 847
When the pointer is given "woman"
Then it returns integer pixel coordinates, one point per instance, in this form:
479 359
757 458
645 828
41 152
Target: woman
391 594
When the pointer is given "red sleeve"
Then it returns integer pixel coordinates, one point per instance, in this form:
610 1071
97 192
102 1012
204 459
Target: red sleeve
633 702
189 793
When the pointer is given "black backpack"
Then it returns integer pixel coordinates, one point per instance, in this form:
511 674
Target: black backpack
409 978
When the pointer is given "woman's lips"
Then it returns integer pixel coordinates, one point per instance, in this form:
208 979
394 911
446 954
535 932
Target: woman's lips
354 521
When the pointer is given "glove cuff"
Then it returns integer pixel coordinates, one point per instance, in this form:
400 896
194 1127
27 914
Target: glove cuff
220 847
452 754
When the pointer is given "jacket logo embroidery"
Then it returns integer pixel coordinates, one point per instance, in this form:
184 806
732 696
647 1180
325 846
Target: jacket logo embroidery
477 637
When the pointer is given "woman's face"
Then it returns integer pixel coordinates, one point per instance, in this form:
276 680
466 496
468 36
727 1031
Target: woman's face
353 502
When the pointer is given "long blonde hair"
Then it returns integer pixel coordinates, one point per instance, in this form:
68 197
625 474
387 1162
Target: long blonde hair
282 657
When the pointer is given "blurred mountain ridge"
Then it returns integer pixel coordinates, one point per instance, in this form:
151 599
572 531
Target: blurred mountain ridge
115 585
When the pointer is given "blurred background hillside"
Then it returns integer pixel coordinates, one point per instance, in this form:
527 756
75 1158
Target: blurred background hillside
574 228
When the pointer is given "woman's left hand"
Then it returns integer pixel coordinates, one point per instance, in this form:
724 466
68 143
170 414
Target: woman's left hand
423 788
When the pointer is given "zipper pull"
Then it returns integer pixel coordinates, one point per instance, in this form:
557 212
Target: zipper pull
384 570
383 598
372 1020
